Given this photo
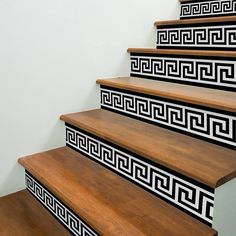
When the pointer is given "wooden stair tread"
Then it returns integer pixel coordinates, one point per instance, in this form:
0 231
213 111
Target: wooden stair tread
107 202
210 164
205 53
22 215
213 98
207 20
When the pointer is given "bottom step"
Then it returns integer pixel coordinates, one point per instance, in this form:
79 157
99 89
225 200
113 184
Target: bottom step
109 204
22 215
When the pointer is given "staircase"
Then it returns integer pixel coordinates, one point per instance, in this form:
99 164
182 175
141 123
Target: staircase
159 157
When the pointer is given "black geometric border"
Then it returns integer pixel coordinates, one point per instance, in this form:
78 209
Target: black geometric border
122 111
59 210
79 140
208 33
191 15
149 59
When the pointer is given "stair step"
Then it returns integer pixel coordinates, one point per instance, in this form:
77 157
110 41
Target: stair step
210 8
22 215
216 99
186 66
216 165
197 112
214 33
108 203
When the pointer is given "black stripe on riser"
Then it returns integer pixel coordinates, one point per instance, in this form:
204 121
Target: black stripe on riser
60 211
213 8
210 72
209 36
187 194
209 124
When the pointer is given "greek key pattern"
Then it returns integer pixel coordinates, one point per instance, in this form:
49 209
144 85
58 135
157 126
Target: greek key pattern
212 73
198 37
214 126
71 221
208 9
186 195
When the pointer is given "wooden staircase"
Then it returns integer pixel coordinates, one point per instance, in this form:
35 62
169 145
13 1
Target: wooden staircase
158 158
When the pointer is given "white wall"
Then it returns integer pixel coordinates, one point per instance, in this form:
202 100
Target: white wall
51 53
225 210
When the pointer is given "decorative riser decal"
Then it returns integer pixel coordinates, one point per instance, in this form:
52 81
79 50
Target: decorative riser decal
70 220
218 73
198 9
187 194
202 37
214 126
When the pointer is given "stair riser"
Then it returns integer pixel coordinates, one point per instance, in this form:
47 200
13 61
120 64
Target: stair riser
205 123
184 193
59 210
197 37
217 73
199 9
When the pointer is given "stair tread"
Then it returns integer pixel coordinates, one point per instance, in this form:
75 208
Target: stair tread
205 53
107 202
21 214
207 163
207 20
213 98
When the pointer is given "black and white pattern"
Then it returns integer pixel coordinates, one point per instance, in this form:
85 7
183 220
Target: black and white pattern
208 37
197 9
219 73
182 192
215 126
70 220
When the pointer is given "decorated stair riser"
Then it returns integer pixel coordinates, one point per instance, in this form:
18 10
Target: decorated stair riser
210 72
207 36
205 123
199 9
59 210
184 193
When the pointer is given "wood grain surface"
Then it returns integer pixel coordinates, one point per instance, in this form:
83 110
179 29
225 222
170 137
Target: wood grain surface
110 204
